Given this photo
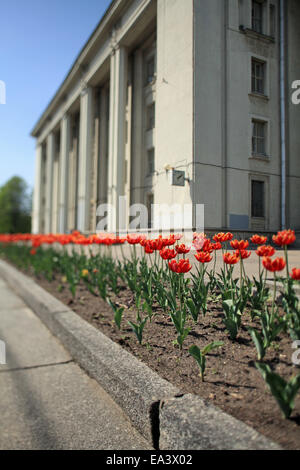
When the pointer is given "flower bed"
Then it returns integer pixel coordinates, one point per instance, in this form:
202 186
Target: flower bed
221 326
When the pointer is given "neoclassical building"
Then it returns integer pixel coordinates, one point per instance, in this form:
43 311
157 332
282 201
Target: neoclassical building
177 101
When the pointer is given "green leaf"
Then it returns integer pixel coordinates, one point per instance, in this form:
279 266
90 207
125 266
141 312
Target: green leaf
195 352
283 392
118 316
259 343
192 309
232 327
211 346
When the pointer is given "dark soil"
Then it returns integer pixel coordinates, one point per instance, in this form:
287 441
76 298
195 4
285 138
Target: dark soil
232 382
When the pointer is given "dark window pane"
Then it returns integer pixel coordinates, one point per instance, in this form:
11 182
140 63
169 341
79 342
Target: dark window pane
258 76
257 199
272 20
151 162
151 117
150 70
258 138
257 16
150 202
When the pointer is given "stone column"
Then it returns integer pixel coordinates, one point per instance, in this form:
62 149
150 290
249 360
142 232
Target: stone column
103 147
85 154
36 212
137 174
55 194
63 173
49 181
116 174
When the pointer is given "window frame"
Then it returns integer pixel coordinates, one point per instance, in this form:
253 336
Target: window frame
267 90
149 58
259 139
260 4
150 167
150 116
259 223
263 202
262 119
255 62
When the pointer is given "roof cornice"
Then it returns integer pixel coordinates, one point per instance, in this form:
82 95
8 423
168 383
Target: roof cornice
79 64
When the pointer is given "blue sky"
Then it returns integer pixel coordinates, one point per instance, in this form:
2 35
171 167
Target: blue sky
39 41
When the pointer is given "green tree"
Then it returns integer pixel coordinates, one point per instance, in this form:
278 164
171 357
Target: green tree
15 206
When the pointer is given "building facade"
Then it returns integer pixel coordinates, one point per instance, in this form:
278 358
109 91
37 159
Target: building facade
176 102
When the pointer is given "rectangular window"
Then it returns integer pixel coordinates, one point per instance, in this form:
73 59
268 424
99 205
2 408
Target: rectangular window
150 70
150 202
150 162
258 76
151 117
272 21
257 199
257 16
259 138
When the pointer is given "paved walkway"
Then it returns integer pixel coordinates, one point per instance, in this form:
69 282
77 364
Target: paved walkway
251 264
46 400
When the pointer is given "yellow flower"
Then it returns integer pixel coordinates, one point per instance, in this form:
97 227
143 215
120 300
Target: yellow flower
84 273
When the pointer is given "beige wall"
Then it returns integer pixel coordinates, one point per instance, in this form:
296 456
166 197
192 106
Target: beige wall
203 111
174 99
224 108
293 117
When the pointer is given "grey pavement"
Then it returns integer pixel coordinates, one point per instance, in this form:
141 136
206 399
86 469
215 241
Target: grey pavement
46 400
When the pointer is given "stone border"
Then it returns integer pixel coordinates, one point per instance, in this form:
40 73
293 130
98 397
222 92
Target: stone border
167 418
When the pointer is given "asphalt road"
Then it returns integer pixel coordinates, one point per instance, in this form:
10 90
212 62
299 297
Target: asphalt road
46 400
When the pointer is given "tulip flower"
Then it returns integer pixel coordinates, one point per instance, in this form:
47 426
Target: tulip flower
231 258
148 249
223 237
203 257
134 239
283 239
167 254
277 264
295 274
182 249
182 266
265 250
258 239
244 254
239 244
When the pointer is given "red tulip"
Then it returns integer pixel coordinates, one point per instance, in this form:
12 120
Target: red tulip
239 244
295 274
244 254
231 258
216 246
166 253
134 239
183 266
258 239
284 238
182 249
265 250
203 257
274 265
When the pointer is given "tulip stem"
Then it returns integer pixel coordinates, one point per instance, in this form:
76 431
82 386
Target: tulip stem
287 261
274 295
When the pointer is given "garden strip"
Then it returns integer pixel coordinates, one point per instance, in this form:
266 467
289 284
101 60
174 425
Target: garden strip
162 407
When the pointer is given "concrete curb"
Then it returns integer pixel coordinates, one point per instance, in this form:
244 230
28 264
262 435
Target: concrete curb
164 416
